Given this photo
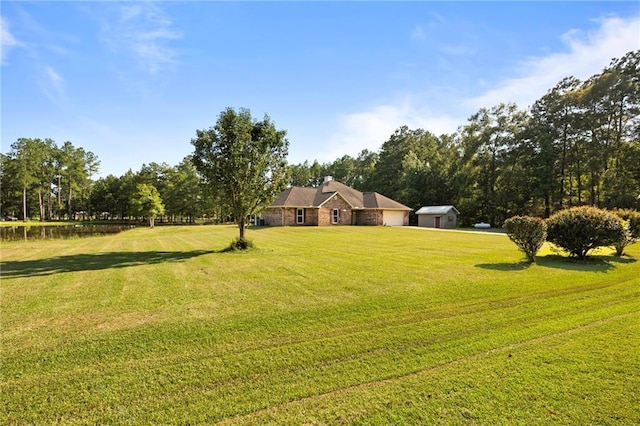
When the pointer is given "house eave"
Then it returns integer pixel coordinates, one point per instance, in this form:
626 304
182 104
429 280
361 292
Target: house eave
292 207
386 209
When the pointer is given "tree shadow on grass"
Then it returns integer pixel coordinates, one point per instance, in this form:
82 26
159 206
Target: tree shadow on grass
590 264
505 266
93 262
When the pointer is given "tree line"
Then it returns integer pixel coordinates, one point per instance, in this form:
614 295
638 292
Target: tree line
579 144
41 180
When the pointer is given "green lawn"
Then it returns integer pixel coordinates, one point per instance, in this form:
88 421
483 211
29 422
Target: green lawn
359 325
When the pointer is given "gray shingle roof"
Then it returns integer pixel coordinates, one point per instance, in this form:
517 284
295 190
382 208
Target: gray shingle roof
297 196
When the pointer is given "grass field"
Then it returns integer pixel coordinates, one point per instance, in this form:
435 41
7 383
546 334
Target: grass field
336 325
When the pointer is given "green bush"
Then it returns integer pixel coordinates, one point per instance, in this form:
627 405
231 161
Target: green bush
632 234
528 233
579 230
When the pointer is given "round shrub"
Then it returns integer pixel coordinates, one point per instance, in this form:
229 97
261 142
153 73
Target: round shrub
528 233
632 222
579 230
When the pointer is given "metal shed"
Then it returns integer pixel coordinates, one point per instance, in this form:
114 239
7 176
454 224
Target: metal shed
444 217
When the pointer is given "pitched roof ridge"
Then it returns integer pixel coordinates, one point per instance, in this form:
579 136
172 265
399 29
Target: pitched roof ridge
349 194
284 203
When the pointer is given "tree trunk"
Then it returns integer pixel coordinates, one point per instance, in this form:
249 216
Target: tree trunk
579 180
49 205
547 204
41 206
24 204
59 198
241 227
563 164
69 203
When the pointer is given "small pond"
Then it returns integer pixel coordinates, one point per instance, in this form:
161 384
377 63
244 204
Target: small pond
26 233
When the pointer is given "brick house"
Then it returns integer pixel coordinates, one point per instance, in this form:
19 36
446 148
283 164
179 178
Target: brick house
334 203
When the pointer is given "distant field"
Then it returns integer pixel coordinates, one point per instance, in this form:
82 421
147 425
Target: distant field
336 325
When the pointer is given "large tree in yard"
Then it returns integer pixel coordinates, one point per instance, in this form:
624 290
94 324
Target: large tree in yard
244 161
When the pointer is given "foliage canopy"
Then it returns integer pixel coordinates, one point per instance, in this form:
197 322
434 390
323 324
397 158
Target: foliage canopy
579 230
528 233
146 201
243 161
632 229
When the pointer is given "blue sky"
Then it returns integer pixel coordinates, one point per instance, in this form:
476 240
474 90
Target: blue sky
132 81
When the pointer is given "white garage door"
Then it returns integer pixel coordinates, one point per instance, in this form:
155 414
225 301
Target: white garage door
393 218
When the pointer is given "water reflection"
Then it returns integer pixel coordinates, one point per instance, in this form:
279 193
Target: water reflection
26 233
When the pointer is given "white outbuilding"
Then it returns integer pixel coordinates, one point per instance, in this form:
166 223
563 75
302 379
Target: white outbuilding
444 217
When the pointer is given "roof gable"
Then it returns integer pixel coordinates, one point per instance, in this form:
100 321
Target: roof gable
329 195
350 195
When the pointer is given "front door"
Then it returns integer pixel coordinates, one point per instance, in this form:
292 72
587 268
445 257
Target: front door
437 220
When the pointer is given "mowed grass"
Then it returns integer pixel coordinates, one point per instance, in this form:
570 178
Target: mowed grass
336 325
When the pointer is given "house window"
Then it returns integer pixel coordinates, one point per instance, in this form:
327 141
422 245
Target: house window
335 217
450 218
300 216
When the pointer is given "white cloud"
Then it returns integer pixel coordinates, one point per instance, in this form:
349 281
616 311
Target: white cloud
36 40
7 40
371 128
437 19
130 12
418 33
587 54
53 85
145 31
